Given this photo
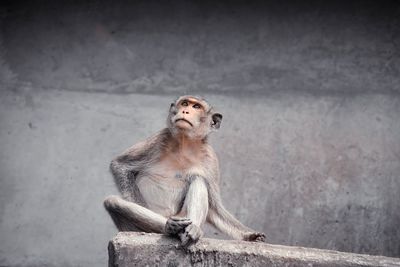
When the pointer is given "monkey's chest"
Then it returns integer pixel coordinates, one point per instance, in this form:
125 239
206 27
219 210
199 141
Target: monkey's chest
163 189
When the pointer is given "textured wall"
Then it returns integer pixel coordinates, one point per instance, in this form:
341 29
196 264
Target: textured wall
225 47
310 96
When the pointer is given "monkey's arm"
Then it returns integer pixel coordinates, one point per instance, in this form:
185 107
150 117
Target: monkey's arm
126 166
196 201
129 212
228 224
196 208
219 216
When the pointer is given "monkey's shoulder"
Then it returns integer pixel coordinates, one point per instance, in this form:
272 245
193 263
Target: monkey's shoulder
156 141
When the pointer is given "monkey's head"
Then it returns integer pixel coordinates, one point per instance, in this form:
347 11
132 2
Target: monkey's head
193 117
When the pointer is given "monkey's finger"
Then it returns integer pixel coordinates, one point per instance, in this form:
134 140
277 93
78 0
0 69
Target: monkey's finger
193 238
261 238
172 223
192 232
175 223
257 237
188 228
261 235
180 219
189 241
184 223
195 234
188 235
184 239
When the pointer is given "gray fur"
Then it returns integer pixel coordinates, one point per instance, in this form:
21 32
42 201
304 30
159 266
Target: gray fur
150 205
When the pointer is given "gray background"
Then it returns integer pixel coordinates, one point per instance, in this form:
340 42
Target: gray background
310 142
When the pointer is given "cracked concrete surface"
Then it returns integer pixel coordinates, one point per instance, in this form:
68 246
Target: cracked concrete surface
128 249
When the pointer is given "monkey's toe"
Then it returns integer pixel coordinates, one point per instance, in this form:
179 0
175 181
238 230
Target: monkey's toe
191 235
175 225
195 232
255 237
260 238
179 219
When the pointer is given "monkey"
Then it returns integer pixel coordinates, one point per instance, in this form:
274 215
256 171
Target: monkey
169 183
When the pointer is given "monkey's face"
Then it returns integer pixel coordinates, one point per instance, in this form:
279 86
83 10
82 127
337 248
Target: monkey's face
189 114
193 117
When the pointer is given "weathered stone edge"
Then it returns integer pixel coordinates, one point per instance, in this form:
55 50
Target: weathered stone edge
263 250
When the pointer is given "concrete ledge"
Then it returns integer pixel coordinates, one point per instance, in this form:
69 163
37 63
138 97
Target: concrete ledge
143 249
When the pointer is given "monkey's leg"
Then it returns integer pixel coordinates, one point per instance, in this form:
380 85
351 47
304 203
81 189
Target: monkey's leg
196 207
129 216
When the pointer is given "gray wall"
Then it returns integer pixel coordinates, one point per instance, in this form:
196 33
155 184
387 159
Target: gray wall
310 143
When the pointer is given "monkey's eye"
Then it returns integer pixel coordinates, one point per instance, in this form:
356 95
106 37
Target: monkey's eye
196 106
185 103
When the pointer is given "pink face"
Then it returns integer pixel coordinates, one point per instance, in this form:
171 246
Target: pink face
189 113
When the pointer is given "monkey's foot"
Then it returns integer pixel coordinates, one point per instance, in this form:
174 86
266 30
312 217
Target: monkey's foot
176 225
191 235
254 237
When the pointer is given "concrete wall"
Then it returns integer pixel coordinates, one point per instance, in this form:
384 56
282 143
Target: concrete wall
310 143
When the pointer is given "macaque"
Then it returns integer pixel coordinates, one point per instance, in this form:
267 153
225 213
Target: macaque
170 182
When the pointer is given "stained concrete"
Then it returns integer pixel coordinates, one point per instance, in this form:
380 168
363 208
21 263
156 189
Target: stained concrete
131 249
309 146
310 171
242 47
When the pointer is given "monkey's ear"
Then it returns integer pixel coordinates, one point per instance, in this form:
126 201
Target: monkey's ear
216 121
172 109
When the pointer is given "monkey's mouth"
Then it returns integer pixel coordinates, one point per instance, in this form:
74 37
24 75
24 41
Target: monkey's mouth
182 119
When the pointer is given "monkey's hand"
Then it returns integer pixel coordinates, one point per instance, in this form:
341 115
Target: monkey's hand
254 237
176 225
191 235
